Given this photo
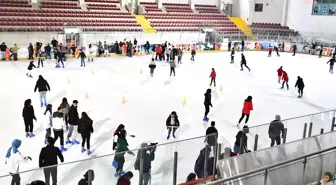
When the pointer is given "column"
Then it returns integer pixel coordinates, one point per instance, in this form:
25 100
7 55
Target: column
159 3
191 3
284 13
251 12
122 2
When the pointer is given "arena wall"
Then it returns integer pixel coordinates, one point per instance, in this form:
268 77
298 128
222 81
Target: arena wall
272 11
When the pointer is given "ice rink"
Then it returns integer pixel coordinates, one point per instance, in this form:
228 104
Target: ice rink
149 101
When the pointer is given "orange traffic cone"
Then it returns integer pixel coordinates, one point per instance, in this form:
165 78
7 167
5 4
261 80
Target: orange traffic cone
87 95
221 89
123 101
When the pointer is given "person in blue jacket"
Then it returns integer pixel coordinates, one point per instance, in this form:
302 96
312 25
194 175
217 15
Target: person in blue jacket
294 49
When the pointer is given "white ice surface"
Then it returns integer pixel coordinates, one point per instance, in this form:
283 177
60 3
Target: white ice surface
149 102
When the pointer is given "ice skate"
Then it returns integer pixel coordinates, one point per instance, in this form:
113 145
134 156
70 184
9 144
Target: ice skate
174 136
75 142
68 141
41 104
31 135
45 104
114 164
27 135
83 150
241 70
63 149
168 137
249 70
89 153
57 66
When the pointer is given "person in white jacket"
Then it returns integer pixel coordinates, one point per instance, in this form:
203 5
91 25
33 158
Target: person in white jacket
47 124
58 126
13 159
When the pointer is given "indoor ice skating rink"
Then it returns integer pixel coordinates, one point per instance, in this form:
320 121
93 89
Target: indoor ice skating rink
101 86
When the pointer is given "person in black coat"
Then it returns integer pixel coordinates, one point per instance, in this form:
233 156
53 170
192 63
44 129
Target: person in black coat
30 51
82 56
88 178
42 86
321 51
30 68
85 129
232 55
294 49
28 117
211 134
243 45
54 42
116 135
276 129
73 118
193 53
300 85
172 123
241 141
207 104
147 46
276 49
47 50
48 157
199 164
331 62
3 48
229 45
243 63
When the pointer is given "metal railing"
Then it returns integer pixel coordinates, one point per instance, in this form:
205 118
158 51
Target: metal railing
299 162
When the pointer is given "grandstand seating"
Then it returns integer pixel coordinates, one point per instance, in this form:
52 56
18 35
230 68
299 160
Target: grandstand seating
272 29
59 5
179 18
150 7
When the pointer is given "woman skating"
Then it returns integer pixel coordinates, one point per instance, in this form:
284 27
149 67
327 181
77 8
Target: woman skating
172 123
243 62
85 129
152 66
47 124
248 106
65 105
121 149
300 85
28 117
207 104
58 126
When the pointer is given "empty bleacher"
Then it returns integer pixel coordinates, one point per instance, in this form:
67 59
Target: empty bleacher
150 7
272 29
177 8
59 4
207 9
102 5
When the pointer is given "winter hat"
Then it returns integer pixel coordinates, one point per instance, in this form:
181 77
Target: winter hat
15 145
75 101
144 145
191 177
37 183
50 140
86 175
277 117
212 123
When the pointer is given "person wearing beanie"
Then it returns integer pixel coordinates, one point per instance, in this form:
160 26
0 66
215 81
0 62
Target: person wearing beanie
300 85
276 129
42 86
73 118
125 179
48 157
172 123
191 177
88 178
211 134
38 182
207 104
13 159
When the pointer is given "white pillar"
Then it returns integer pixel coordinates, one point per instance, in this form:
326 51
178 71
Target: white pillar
284 13
122 2
251 12
81 2
159 3
191 3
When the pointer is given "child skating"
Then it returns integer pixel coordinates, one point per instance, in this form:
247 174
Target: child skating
30 68
213 77
243 63
83 56
280 71
285 80
152 66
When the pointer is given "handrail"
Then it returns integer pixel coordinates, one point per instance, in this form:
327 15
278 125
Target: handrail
271 166
107 155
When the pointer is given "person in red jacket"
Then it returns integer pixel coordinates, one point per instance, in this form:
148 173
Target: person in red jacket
270 49
213 77
125 179
280 71
248 106
158 51
285 80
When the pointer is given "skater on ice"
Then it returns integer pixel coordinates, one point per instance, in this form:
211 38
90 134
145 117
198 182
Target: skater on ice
172 124
207 104
90 58
300 85
179 55
213 77
285 80
211 134
270 49
117 134
125 179
61 55
48 157
331 62
148 155
321 51
73 118
276 131
43 86
40 58
58 127
28 117
248 107
193 53
82 56
85 128
280 72
121 149
66 107
47 124
30 68
13 161
152 66
276 49
294 49
243 63
232 55
172 66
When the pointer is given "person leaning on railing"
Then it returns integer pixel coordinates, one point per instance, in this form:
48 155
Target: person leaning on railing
326 180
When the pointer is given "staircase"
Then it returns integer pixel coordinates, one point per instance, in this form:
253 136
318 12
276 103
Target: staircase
242 26
145 24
